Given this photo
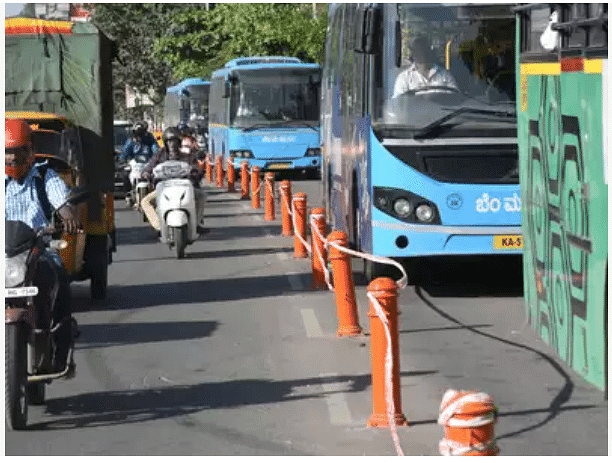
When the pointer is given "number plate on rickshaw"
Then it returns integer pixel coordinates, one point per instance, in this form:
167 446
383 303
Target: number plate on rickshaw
508 242
20 292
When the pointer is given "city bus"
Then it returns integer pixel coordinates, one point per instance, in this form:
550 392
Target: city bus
187 101
431 170
563 123
266 110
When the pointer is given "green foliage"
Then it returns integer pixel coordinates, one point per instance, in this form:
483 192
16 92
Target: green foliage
199 41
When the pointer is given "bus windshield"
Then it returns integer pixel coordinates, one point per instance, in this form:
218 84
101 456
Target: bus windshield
198 102
456 66
275 97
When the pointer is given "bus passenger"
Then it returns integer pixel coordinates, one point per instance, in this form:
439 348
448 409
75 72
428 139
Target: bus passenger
423 75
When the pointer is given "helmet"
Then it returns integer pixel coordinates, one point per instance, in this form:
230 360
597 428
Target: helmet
140 128
18 134
169 133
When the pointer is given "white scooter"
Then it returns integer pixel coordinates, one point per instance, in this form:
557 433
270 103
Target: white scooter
139 188
176 205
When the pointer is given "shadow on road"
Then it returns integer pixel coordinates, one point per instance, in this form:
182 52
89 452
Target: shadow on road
119 334
187 292
131 406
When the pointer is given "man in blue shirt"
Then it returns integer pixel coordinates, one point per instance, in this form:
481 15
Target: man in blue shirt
22 203
142 142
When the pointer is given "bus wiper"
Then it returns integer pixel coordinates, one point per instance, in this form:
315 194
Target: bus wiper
254 127
437 123
302 122
277 124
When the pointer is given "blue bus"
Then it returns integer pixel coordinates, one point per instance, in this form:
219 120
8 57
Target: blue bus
418 130
266 110
187 102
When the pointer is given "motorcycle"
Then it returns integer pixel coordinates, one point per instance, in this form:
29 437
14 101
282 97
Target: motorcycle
176 205
28 318
139 187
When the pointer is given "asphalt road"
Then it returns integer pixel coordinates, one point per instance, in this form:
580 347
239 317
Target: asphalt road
228 352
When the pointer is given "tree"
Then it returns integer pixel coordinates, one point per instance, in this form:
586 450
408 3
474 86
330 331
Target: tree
135 27
198 41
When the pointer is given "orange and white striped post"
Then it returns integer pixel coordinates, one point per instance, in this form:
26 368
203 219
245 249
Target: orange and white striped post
384 290
219 171
319 254
344 288
299 218
209 175
244 180
255 187
269 214
231 175
285 193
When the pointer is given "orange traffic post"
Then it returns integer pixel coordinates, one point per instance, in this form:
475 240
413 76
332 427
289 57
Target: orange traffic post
219 171
231 175
299 217
209 175
244 180
469 419
344 288
384 291
317 220
285 193
269 214
255 187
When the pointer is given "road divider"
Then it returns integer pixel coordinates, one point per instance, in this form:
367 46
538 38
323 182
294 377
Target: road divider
269 214
255 188
244 180
219 171
231 176
285 195
319 253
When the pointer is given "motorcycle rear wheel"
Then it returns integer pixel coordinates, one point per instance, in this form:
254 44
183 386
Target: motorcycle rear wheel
16 376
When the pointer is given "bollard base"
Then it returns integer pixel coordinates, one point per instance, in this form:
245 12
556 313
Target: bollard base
380 420
347 331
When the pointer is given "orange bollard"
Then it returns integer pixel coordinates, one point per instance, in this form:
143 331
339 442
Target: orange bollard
385 292
244 180
346 305
299 216
255 187
285 192
269 214
219 171
231 175
209 175
317 219
469 420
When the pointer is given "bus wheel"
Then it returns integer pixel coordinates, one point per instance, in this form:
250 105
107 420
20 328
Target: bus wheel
373 270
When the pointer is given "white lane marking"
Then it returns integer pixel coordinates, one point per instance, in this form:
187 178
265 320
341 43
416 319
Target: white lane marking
313 330
339 413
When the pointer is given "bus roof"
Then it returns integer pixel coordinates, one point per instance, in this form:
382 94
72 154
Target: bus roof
263 62
187 83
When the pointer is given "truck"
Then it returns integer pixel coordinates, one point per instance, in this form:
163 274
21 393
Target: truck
62 71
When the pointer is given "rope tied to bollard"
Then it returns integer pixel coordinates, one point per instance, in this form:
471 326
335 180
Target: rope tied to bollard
454 413
295 227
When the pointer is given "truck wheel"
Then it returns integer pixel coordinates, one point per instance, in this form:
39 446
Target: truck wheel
36 393
98 266
180 241
16 376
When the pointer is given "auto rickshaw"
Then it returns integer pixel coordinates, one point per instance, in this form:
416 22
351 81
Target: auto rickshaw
86 256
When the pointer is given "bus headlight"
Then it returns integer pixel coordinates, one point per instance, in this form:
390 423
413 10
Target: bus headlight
313 152
402 207
424 213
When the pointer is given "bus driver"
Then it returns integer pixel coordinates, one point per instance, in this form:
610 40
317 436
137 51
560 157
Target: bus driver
423 75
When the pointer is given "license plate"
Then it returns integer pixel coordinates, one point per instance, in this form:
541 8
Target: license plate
279 165
508 242
20 292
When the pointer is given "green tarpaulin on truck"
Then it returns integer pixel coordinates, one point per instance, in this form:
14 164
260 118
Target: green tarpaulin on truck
67 74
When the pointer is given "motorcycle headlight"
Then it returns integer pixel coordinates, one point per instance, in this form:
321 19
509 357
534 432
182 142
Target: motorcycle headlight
15 270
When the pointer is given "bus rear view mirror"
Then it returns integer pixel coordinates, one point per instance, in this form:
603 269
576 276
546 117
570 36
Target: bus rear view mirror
372 32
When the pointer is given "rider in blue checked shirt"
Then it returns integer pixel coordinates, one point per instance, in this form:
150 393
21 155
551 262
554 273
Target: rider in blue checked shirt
22 203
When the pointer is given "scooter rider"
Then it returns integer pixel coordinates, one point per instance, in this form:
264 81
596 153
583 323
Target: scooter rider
23 203
173 150
142 142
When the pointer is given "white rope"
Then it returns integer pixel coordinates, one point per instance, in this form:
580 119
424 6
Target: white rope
388 374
